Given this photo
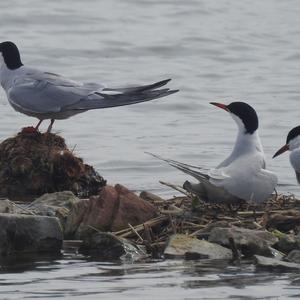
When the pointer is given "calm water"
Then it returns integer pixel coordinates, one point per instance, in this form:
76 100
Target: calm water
214 51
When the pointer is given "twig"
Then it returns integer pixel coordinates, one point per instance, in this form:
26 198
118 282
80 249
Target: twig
151 223
175 187
22 208
94 228
134 231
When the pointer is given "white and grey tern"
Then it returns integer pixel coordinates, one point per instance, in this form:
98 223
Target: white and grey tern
243 175
293 145
46 95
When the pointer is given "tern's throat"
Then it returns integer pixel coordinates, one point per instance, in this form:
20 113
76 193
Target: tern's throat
246 143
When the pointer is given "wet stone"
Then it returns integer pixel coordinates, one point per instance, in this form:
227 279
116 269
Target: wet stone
29 234
272 263
283 220
106 246
184 246
248 241
287 243
293 256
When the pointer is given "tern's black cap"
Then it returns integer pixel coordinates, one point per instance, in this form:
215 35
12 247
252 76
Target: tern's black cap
246 113
293 134
11 55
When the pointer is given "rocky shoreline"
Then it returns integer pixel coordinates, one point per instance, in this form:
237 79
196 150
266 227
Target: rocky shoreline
106 222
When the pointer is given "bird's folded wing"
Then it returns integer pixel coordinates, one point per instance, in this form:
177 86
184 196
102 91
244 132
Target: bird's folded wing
218 174
42 96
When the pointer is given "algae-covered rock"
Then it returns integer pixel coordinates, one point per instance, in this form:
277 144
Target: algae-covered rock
283 220
181 245
287 243
249 241
32 164
293 256
54 205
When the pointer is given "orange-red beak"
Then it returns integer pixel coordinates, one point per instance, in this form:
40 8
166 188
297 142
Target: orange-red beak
281 150
223 106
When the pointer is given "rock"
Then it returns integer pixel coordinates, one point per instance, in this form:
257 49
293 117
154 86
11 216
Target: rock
287 243
248 241
59 199
75 217
272 263
23 234
293 256
7 206
205 232
284 221
32 164
54 205
132 209
181 245
107 246
112 210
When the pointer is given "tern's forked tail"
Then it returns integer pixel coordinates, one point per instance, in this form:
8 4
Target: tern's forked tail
124 96
188 169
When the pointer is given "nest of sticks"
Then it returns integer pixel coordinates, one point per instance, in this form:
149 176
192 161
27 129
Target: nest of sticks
189 215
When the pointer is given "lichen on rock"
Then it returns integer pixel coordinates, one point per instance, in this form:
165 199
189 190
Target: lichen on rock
32 164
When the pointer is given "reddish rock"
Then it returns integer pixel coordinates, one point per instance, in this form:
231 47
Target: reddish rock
101 210
112 210
132 209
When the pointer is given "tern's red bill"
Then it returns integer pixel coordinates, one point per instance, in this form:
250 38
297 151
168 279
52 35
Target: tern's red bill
223 106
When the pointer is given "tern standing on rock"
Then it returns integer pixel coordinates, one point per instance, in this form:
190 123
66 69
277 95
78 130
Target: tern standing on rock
46 95
293 144
242 176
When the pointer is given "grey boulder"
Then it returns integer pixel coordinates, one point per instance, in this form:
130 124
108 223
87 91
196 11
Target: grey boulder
249 242
25 234
272 263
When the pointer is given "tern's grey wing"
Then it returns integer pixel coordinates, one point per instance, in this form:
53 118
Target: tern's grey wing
247 179
59 80
204 189
42 96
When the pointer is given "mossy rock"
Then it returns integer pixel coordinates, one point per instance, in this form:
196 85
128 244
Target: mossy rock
32 164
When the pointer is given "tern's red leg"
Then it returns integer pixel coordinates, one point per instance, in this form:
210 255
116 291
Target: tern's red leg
50 126
38 124
31 129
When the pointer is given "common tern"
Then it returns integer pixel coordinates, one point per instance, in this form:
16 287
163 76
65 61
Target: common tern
46 95
292 144
240 177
